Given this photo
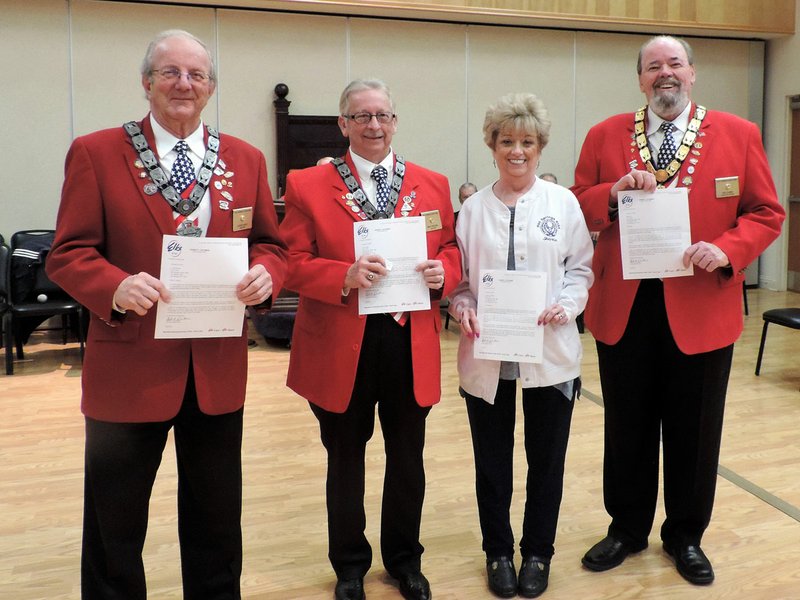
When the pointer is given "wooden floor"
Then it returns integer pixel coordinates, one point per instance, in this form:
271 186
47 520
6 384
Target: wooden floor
753 541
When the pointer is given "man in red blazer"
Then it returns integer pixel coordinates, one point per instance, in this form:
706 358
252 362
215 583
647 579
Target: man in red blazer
344 363
114 213
665 347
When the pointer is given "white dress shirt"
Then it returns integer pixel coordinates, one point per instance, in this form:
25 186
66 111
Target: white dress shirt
165 148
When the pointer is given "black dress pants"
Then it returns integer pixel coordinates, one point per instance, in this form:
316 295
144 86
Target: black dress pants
384 377
547 414
653 392
121 463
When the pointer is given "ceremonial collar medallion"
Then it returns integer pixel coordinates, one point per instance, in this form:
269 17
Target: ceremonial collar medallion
664 175
183 206
359 198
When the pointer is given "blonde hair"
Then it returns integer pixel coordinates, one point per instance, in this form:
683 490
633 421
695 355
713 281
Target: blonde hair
518 112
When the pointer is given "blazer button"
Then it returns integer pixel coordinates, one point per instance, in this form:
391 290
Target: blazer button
355 347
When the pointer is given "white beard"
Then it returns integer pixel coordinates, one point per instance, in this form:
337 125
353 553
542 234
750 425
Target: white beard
665 102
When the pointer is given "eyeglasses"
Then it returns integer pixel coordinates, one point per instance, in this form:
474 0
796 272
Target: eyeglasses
363 118
171 74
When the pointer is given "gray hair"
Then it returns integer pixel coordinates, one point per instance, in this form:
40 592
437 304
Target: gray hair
662 38
147 62
361 85
519 112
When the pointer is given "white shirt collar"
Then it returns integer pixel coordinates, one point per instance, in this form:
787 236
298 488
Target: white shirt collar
364 167
681 122
165 141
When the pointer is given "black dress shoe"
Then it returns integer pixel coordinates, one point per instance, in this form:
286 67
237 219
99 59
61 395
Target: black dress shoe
691 562
349 589
414 586
501 576
533 576
607 554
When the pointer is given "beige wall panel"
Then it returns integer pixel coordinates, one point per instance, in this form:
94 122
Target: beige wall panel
34 112
423 64
608 83
542 63
257 51
722 75
782 81
108 43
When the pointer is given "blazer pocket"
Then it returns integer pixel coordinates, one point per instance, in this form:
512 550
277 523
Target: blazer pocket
128 332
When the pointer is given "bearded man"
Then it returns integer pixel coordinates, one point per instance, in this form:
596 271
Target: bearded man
665 346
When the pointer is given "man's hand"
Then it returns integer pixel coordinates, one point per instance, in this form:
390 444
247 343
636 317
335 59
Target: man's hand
705 255
433 273
633 180
365 272
255 287
139 293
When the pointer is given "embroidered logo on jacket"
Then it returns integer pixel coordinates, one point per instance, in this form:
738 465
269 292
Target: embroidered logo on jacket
549 226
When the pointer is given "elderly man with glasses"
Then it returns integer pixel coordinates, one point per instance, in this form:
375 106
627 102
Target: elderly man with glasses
345 363
125 189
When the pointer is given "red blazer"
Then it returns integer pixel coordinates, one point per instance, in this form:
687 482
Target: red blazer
318 229
704 310
108 229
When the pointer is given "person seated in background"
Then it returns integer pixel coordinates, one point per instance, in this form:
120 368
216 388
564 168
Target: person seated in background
465 191
549 177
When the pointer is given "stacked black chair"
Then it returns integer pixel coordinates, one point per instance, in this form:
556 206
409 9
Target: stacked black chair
32 297
4 260
787 317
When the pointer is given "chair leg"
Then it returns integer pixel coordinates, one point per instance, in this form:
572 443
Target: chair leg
447 320
744 293
761 347
9 344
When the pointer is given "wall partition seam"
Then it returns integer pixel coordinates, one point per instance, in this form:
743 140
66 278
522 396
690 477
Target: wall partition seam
468 137
574 149
219 66
70 72
347 51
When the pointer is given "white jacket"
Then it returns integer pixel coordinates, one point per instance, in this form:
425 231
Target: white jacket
550 235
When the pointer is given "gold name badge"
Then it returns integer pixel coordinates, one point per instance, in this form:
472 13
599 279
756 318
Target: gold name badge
242 218
433 221
726 186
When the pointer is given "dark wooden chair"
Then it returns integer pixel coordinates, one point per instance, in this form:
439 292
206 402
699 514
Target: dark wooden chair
300 140
786 317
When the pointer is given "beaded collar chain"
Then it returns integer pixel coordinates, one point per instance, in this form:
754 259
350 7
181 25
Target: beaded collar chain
361 198
184 206
663 175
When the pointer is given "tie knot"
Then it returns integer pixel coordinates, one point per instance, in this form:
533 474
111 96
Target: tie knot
181 147
379 173
667 127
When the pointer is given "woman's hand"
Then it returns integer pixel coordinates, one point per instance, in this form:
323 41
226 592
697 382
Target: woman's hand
469 323
554 314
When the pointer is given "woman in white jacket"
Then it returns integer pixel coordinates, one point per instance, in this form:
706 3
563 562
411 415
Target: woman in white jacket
521 223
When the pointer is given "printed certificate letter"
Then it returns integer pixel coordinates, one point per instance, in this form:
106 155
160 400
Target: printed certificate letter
654 232
402 244
509 304
202 274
